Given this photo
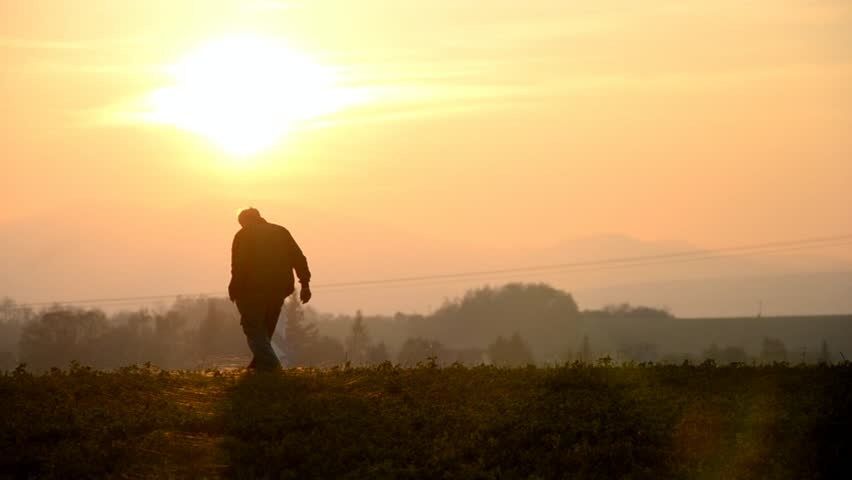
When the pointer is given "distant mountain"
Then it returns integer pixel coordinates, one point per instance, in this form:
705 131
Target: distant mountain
615 246
779 294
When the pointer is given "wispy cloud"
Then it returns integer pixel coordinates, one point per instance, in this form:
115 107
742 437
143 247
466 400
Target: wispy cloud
28 44
121 69
18 43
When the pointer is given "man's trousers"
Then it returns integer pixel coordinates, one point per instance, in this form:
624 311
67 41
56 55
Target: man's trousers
258 317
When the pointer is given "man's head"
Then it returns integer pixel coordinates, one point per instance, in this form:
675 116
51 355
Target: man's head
249 216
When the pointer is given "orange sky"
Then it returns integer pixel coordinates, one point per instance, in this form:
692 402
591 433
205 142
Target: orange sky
484 126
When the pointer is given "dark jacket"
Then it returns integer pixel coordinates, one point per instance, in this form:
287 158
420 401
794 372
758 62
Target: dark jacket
263 257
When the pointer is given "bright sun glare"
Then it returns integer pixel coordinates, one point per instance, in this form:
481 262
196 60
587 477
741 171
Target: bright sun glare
244 93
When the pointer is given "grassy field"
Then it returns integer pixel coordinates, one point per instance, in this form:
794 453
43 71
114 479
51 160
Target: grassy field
384 422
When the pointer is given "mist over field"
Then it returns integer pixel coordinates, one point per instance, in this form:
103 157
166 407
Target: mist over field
516 324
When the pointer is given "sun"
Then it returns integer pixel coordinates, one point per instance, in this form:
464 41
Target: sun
244 93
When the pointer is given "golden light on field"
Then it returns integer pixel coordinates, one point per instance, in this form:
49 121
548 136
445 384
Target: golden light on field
245 93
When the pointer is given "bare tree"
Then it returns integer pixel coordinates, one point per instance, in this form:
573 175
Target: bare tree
358 341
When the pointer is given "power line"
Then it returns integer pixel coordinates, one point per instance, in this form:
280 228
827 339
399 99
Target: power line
579 266
600 268
817 242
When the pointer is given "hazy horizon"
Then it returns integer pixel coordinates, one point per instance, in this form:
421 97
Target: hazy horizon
773 281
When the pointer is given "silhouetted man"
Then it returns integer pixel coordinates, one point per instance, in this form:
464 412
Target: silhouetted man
263 257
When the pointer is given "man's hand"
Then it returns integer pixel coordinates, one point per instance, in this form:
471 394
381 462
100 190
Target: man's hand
305 294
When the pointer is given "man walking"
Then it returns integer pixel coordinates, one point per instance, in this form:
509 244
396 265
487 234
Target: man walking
263 257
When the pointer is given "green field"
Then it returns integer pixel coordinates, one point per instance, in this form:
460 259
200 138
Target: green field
576 421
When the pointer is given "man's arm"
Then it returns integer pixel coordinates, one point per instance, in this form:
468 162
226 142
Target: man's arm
300 265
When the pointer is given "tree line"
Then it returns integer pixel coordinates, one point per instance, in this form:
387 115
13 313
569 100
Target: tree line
517 324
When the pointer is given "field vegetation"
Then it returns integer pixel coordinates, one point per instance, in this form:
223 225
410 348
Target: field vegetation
579 420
